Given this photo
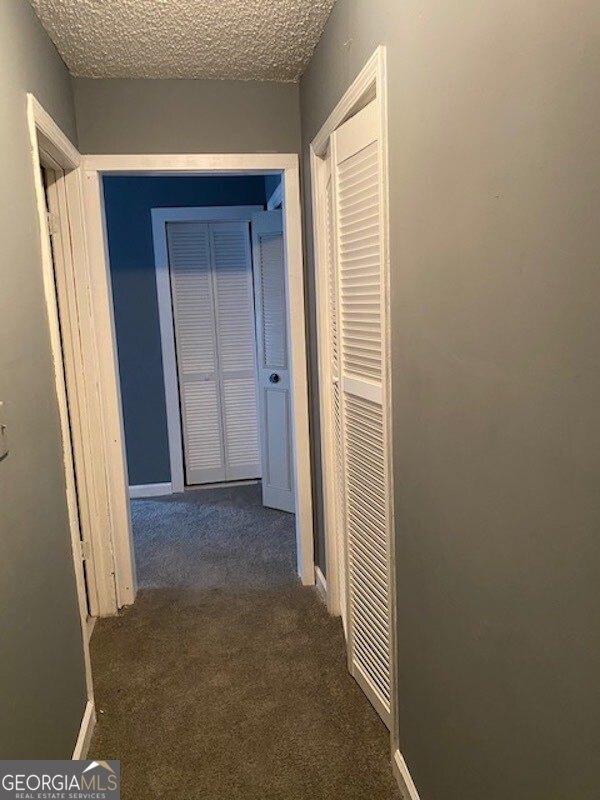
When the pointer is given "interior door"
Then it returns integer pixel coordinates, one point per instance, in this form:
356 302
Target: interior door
234 319
362 380
335 408
213 310
273 360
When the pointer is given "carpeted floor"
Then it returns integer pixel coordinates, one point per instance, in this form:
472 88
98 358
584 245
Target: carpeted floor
226 680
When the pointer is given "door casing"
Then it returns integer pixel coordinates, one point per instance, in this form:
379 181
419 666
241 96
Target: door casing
72 353
160 218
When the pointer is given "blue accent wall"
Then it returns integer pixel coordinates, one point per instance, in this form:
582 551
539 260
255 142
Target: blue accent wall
128 202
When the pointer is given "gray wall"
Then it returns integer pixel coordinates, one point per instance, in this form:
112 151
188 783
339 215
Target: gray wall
494 189
186 116
42 687
128 204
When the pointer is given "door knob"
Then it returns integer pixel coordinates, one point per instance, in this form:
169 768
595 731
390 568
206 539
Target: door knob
274 377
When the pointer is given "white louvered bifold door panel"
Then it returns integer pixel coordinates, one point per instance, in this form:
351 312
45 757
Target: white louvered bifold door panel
234 304
273 363
360 287
338 499
196 348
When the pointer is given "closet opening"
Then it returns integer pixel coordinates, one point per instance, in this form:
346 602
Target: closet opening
199 292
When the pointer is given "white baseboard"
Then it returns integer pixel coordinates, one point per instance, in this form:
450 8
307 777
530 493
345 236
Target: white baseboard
321 584
85 732
150 490
405 782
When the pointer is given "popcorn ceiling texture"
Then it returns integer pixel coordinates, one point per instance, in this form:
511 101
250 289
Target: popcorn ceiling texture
269 40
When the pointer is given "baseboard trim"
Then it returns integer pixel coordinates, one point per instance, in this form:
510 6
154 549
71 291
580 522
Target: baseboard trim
321 584
402 775
85 732
150 490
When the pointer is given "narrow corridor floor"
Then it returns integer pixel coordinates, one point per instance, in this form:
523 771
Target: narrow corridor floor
227 679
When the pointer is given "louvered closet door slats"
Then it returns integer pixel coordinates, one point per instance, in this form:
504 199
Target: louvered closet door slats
236 347
360 334
273 301
197 363
359 259
331 280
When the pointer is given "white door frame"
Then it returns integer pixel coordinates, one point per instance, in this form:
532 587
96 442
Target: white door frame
160 218
52 150
95 166
370 83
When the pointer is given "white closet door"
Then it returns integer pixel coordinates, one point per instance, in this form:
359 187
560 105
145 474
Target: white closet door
337 466
196 347
357 181
234 304
273 360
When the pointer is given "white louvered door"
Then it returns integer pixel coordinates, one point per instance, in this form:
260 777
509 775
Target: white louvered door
360 345
234 305
273 360
213 310
335 410
196 346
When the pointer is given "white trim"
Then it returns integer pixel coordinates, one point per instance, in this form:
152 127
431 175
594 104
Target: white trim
169 359
370 83
402 775
292 234
208 164
320 584
276 198
113 435
64 151
194 164
150 490
318 183
86 730
65 157
160 217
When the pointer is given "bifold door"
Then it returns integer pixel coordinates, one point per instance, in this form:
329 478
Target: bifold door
211 285
335 409
273 360
356 288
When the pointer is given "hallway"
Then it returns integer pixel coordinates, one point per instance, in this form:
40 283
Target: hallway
227 679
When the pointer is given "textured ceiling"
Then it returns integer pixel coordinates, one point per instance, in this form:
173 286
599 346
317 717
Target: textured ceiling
270 40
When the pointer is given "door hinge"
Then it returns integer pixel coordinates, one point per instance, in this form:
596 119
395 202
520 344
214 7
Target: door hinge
85 550
52 223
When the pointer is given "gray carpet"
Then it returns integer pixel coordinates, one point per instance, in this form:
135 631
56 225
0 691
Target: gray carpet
227 679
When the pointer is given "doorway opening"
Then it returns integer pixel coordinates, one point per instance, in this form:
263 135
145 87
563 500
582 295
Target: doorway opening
198 279
208 355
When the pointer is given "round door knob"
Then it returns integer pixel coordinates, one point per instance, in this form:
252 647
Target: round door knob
274 377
